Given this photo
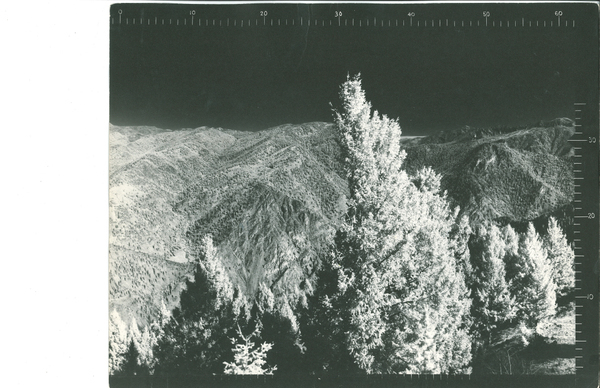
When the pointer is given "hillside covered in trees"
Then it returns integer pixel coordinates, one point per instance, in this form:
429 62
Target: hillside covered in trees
341 248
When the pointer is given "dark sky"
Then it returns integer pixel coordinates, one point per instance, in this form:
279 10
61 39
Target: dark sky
431 78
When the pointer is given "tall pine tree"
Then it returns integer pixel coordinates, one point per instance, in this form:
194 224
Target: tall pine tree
399 296
492 301
195 339
131 365
117 342
511 252
561 257
459 235
533 286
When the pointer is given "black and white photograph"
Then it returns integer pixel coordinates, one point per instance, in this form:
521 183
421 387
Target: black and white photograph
353 194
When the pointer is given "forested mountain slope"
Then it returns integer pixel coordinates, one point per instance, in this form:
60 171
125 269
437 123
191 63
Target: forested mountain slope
515 175
271 199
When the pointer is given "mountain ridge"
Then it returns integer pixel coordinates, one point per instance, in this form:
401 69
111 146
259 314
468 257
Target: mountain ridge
272 199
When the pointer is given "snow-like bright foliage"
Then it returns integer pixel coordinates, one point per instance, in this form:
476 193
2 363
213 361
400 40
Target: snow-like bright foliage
399 293
561 257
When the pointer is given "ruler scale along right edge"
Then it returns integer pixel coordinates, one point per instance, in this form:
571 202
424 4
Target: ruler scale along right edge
586 237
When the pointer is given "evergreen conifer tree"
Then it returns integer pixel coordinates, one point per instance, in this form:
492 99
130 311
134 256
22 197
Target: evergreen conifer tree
459 237
533 286
561 257
492 301
145 344
248 359
511 253
399 297
195 340
117 342
131 366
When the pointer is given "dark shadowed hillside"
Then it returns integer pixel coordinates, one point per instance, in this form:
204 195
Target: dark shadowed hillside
271 199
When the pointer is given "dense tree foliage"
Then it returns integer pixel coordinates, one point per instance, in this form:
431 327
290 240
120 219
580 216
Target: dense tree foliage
249 359
398 302
533 286
561 258
493 304
511 253
131 365
405 285
117 342
195 340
